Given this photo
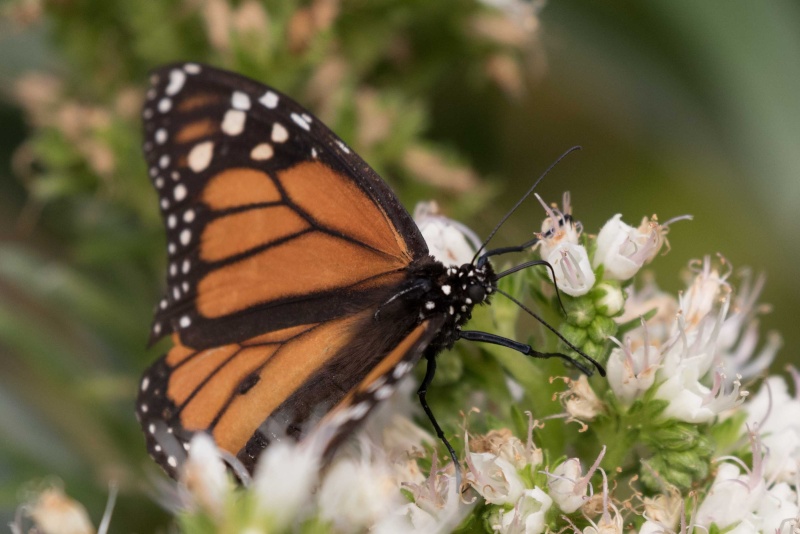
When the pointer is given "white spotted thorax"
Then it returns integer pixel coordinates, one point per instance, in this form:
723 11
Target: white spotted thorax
449 241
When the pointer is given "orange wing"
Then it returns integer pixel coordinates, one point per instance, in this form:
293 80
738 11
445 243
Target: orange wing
277 384
272 222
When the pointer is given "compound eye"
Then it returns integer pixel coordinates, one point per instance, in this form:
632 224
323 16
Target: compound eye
476 293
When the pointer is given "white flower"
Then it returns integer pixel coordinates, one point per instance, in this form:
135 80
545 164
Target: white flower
356 494
664 509
574 275
734 497
705 291
448 241
580 401
508 447
777 415
623 249
437 505
284 479
567 487
205 476
557 229
527 517
691 401
688 357
495 478
610 523
739 337
56 513
649 299
778 509
632 372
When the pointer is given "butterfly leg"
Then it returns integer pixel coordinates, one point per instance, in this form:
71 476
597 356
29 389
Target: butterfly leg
430 371
485 337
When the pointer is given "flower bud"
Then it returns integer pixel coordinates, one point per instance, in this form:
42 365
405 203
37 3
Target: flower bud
609 299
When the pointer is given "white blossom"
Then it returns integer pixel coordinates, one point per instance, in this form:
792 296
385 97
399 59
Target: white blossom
495 478
527 517
286 474
580 401
735 496
448 241
558 228
205 476
357 493
56 513
574 275
567 487
623 249
611 521
632 372
777 416
738 345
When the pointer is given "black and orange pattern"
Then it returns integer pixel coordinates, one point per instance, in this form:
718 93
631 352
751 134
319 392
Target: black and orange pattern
298 287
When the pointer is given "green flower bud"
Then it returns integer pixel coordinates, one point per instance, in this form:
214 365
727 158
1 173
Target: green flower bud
601 328
581 312
609 299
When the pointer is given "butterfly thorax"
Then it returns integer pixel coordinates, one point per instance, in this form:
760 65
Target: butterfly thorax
452 292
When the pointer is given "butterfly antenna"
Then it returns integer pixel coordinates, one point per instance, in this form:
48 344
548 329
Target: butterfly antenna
521 200
530 312
531 263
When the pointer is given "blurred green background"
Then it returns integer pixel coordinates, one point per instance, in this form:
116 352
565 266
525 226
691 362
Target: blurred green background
681 107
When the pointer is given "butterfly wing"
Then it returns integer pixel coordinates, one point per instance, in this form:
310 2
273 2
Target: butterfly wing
271 220
277 385
282 245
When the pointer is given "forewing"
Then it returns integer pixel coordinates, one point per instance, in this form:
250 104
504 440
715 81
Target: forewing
272 221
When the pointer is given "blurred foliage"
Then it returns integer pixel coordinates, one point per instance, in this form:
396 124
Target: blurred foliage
681 107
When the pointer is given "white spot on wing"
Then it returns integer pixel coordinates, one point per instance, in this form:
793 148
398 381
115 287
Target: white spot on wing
188 216
184 321
301 122
200 156
145 383
279 133
161 136
176 80
343 147
163 161
180 192
401 369
240 100
262 151
269 100
164 105
185 237
192 68
233 122
172 461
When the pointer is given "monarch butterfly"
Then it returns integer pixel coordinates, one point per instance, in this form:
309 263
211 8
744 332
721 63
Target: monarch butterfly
298 285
